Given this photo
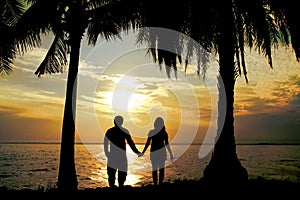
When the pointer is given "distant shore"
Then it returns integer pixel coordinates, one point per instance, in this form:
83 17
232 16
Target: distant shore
253 188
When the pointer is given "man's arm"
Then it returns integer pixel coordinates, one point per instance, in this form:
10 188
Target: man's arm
132 145
105 144
131 142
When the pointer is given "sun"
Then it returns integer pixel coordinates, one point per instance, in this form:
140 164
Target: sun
126 94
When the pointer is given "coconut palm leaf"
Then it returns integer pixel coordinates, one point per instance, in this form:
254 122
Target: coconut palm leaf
286 15
56 58
40 18
7 50
11 11
109 19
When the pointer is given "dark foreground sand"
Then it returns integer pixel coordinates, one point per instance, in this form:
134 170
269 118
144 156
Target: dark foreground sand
185 189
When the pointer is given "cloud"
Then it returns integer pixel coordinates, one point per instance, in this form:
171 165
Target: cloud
34 104
89 70
279 97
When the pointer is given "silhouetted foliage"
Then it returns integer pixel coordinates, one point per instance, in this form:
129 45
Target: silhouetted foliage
225 27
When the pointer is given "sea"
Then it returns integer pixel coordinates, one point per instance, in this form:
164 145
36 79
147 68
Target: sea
35 165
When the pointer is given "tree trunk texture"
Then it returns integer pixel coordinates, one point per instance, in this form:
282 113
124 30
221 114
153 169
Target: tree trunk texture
67 178
224 165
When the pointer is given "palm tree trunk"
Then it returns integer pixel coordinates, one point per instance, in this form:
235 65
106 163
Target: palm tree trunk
224 164
67 178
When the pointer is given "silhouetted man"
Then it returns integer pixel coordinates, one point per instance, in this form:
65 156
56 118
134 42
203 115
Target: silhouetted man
115 150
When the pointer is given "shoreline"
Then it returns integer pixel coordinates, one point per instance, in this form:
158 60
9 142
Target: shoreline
253 187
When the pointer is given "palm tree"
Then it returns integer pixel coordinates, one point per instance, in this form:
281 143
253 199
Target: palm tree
241 24
225 27
69 21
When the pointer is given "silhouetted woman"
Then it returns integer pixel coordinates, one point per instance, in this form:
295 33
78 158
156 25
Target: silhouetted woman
158 138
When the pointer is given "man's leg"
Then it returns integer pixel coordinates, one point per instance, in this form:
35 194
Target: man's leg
154 177
121 177
122 170
111 172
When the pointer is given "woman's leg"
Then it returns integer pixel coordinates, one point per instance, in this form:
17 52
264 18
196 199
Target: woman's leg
161 172
161 175
154 171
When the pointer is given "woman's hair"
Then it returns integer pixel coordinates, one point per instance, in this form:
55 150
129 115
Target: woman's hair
159 123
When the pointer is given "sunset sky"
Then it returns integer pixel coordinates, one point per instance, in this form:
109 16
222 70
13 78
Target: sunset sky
117 77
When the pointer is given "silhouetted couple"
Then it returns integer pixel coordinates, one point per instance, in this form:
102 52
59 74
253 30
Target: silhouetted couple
115 150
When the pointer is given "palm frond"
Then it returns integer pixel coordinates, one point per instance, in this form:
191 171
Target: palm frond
186 18
108 20
240 43
11 11
56 58
286 14
29 28
7 54
94 4
5 65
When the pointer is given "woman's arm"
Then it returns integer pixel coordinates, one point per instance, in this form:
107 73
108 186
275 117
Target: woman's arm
170 152
169 148
146 145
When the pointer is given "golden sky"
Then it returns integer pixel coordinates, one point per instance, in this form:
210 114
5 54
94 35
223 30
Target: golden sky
117 77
